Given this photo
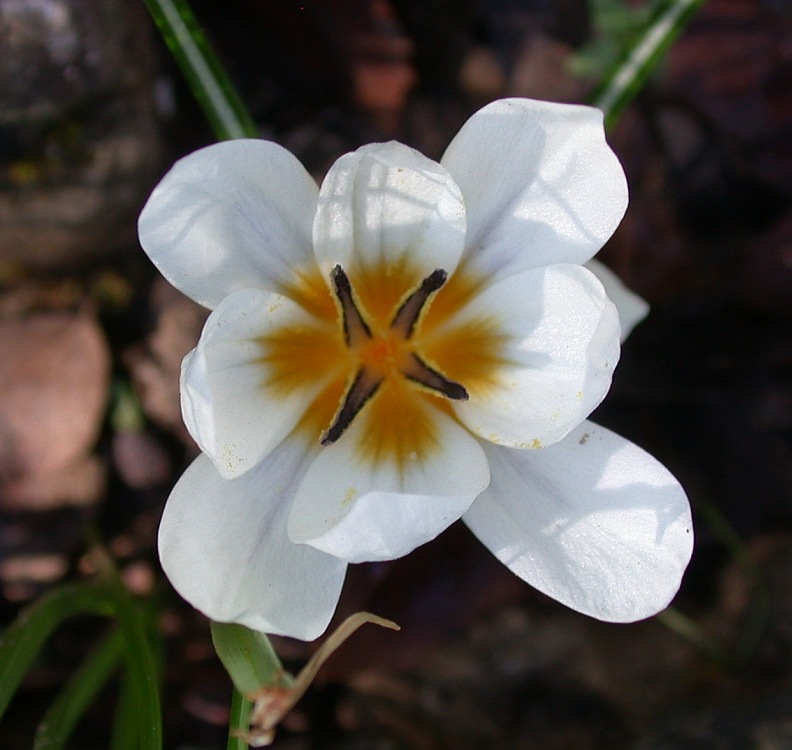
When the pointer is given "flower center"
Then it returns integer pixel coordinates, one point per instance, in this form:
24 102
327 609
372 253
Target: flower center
381 354
412 349
385 354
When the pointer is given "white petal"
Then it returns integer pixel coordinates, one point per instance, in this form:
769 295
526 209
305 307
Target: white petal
361 511
562 347
632 308
229 406
540 183
224 547
233 215
593 521
385 204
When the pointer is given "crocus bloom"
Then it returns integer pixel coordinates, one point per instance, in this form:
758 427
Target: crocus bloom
412 343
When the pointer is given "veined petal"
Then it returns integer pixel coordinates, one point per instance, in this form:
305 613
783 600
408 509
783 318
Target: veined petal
560 344
387 211
632 308
223 545
361 503
233 215
232 401
593 521
540 183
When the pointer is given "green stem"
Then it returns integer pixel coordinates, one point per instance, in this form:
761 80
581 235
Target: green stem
23 640
248 657
239 721
206 77
63 715
623 83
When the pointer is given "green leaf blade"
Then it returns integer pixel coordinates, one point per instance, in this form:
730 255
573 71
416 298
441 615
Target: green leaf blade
203 72
141 666
84 685
628 77
23 640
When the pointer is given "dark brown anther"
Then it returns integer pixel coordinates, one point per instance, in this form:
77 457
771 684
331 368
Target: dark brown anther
355 328
419 372
377 364
363 387
407 315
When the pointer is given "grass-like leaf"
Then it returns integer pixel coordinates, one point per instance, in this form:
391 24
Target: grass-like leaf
84 685
206 77
141 664
22 641
125 729
628 77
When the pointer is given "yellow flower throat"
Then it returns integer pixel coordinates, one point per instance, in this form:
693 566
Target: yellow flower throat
385 355
385 339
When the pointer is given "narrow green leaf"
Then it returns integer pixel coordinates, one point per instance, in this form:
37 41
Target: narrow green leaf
628 77
683 626
248 657
144 681
758 615
125 727
22 641
206 77
76 696
140 662
239 721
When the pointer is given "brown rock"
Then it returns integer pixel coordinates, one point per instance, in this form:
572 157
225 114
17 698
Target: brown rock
78 485
81 146
380 65
140 460
155 366
53 383
37 568
542 71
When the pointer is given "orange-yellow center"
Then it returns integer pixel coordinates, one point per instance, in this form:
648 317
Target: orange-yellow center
382 354
398 417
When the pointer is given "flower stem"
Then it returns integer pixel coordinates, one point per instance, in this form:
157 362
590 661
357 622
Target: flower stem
239 721
248 657
206 77
627 78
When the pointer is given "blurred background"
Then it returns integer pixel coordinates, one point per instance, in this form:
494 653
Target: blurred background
93 111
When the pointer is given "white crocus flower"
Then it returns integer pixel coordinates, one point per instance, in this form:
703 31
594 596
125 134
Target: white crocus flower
411 344
632 308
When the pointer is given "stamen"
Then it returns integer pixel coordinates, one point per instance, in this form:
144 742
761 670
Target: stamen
407 315
363 387
355 328
385 356
419 372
